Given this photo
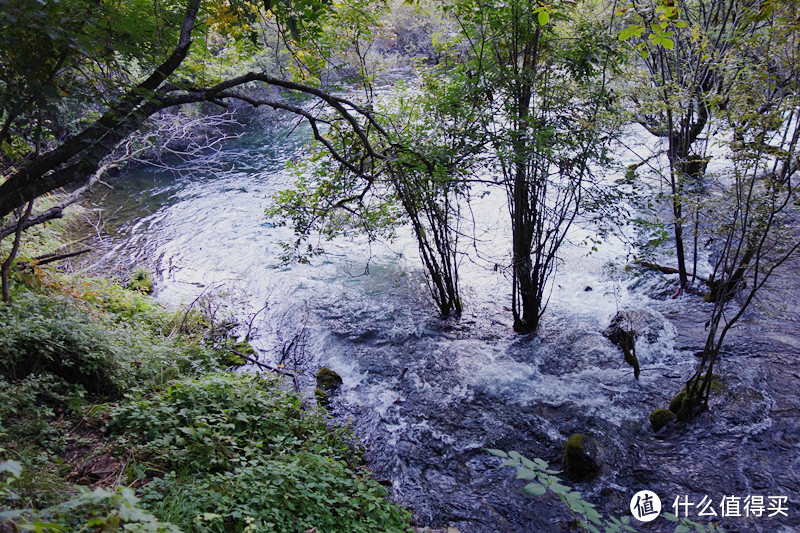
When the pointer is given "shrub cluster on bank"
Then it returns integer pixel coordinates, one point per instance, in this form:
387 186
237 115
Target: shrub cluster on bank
118 415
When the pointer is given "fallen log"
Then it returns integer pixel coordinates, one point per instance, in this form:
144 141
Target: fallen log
667 270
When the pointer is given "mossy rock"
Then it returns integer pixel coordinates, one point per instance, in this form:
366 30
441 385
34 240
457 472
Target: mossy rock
676 404
141 280
578 464
660 418
328 380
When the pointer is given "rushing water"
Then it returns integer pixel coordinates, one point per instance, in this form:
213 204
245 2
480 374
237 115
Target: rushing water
429 395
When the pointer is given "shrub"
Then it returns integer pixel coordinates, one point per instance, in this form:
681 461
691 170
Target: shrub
245 454
46 334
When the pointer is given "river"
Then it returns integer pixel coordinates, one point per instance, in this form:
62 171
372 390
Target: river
428 395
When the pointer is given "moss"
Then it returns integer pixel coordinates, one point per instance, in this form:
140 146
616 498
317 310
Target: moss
577 464
574 444
228 359
141 280
660 418
322 397
328 380
244 348
676 404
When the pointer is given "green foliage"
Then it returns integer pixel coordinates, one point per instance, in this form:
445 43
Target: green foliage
59 56
96 510
242 451
141 280
216 452
541 479
29 404
48 335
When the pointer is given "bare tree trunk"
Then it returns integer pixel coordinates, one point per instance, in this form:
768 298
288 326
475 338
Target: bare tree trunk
13 254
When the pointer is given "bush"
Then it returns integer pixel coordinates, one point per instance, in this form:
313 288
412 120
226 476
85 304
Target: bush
244 454
29 404
46 334
97 510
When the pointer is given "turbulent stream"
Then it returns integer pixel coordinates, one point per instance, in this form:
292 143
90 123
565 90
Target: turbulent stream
428 395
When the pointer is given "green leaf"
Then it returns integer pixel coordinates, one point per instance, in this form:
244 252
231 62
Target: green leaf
668 43
544 17
534 489
496 453
681 528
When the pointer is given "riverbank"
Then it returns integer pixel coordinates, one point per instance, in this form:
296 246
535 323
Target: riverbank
119 413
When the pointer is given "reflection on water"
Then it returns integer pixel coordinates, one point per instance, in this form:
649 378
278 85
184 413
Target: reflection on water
428 395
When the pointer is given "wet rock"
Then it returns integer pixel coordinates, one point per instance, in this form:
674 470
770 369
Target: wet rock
328 380
660 418
676 404
578 461
642 323
628 326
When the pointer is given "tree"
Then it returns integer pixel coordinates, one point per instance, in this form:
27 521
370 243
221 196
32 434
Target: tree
751 217
539 73
685 49
416 175
80 77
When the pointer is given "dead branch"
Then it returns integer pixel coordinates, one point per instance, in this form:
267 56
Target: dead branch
667 270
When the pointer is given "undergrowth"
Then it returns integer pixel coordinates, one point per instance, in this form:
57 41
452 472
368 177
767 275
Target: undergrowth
118 415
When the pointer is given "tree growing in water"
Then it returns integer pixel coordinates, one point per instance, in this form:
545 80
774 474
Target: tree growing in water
538 71
752 212
687 51
417 175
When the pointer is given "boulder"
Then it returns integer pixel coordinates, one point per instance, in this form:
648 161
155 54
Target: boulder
660 418
328 380
628 326
641 323
578 461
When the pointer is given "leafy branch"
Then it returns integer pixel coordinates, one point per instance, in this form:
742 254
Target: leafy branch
541 479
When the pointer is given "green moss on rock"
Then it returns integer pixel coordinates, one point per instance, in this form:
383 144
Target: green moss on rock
328 380
578 465
660 418
676 404
322 397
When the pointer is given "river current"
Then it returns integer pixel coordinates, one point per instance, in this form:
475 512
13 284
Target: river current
429 395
